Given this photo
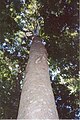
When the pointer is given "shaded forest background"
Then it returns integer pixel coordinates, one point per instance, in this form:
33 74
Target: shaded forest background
58 27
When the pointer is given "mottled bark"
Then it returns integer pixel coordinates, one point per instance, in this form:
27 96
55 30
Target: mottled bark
37 100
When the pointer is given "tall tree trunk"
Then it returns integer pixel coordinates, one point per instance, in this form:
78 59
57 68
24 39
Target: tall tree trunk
37 100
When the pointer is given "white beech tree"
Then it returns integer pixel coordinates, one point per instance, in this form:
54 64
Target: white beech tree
37 99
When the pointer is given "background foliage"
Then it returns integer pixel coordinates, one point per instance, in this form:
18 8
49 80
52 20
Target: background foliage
58 27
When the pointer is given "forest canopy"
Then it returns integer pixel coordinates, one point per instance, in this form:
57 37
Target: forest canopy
57 22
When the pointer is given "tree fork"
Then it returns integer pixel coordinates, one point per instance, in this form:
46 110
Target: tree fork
37 99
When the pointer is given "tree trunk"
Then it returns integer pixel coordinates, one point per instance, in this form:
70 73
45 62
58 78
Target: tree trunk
37 100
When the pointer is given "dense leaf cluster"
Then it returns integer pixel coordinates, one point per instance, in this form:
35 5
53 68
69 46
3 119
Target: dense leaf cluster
61 25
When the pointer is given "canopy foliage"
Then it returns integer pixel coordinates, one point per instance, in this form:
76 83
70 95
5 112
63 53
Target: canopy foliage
58 27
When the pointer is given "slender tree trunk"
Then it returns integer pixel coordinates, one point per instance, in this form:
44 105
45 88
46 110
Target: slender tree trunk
37 100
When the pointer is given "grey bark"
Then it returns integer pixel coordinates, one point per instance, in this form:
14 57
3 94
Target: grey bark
37 99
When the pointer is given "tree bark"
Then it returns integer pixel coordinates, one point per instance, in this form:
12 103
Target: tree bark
37 100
